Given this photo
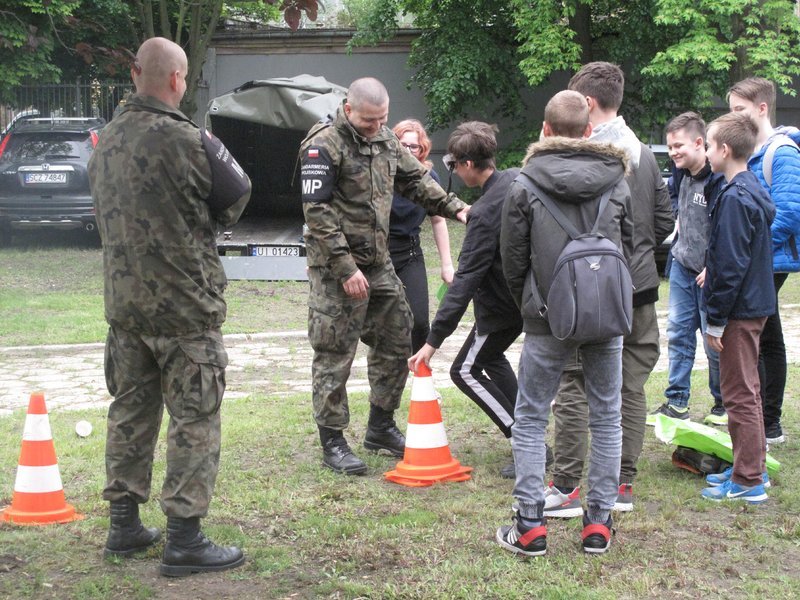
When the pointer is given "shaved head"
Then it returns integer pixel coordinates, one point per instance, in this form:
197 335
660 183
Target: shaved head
567 114
367 106
367 90
159 62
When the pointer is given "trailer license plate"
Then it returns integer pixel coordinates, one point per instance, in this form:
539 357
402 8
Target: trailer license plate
45 178
275 251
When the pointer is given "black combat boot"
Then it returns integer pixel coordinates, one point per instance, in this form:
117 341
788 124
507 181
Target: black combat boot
337 455
382 433
188 551
127 535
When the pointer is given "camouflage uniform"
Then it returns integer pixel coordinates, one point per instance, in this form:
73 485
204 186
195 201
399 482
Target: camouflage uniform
164 284
347 187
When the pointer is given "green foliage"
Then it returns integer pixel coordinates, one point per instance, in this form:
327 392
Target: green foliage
464 58
677 54
546 43
252 11
27 41
726 40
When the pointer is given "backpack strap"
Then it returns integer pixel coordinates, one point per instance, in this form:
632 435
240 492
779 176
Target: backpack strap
527 182
769 155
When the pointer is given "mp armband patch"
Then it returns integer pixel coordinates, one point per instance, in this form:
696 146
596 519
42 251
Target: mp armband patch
229 182
317 175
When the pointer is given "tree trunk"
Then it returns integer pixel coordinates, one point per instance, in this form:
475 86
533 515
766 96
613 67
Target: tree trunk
581 23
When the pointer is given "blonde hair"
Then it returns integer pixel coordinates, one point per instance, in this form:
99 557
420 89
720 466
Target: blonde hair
414 126
567 113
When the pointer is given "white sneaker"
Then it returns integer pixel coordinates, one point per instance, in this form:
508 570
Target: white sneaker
560 505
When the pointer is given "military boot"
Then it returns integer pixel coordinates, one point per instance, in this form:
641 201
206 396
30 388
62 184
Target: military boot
127 535
382 432
188 551
337 455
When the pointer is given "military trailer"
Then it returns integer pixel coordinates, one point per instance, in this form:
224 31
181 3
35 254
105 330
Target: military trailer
262 123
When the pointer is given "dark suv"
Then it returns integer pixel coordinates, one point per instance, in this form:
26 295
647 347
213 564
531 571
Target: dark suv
43 179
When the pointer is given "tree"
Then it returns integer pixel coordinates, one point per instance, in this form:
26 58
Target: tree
27 37
105 34
677 54
725 41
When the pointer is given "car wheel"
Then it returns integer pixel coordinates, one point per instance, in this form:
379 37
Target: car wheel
5 235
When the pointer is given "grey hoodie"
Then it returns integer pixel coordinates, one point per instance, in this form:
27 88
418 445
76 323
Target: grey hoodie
574 172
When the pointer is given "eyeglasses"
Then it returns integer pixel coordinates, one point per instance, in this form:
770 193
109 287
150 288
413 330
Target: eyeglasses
412 147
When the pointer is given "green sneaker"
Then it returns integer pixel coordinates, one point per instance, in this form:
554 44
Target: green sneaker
717 417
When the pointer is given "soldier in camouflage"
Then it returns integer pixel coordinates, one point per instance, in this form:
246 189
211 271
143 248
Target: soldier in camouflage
351 166
153 186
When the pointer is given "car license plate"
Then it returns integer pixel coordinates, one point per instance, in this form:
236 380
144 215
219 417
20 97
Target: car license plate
45 178
275 251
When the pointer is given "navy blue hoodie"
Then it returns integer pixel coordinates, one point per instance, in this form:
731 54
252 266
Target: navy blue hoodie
739 282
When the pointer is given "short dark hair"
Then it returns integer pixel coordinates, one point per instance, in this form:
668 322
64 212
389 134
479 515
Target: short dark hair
567 114
475 141
690 121
736 130
756 90
603 81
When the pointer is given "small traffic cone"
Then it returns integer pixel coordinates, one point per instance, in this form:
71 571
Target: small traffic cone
38 495
427 457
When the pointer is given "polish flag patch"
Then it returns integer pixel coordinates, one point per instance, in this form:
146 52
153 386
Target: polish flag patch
313 153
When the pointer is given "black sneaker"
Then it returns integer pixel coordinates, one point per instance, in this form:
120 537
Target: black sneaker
508 471
516 538
774 433
549 459
672 411
596 537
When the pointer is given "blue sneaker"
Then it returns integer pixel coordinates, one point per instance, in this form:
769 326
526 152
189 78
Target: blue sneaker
716 479
733 491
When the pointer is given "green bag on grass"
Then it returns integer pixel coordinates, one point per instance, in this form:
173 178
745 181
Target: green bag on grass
701 438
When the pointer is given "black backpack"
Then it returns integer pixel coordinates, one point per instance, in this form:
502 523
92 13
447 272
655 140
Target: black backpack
591 295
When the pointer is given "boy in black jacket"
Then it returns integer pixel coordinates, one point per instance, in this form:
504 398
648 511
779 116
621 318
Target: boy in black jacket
739 295
481 369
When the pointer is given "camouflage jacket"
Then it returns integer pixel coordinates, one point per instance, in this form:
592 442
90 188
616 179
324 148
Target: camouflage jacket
347 188
150 179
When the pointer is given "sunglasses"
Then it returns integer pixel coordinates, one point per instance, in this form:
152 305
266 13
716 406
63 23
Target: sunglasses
412 147
451 161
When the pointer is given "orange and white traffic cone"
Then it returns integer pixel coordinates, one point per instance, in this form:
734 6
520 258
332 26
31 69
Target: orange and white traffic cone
38 494
427 457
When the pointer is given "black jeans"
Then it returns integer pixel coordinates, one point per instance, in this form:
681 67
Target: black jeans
772 361
409 264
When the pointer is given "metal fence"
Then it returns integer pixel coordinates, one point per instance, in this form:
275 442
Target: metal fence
78 99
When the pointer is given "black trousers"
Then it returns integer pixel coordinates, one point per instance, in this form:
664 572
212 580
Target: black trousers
772 361
409 264
482 371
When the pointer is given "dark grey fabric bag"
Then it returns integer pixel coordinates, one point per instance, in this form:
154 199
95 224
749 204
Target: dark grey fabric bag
591 295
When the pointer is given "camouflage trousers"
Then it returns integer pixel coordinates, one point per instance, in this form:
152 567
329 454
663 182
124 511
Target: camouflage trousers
335 324
144 374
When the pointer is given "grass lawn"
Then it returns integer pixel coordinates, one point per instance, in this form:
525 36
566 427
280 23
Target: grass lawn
309 533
